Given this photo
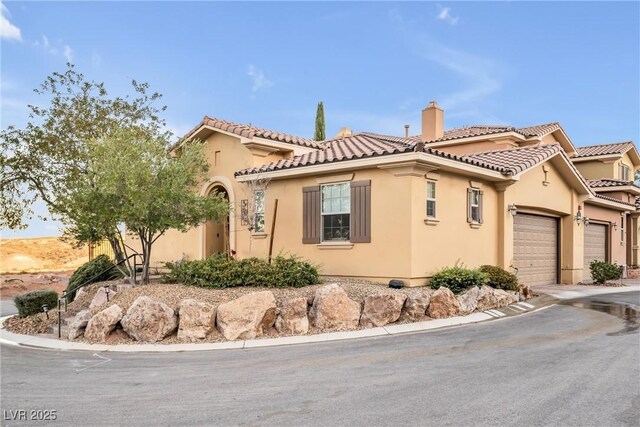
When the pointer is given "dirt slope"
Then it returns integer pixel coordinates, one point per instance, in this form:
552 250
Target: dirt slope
39 255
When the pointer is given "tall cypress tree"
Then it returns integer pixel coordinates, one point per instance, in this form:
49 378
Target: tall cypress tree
319 134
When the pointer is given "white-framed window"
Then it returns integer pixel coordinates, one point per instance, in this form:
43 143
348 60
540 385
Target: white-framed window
624 172
258 211
474 205
336 212
622 228
431 199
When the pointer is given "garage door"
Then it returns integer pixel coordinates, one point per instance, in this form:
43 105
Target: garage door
535 249
595 245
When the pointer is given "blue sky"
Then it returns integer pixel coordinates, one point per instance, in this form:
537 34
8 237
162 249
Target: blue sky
374 65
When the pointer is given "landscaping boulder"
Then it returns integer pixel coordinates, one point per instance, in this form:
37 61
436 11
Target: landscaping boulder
333 309
468 300
197 319
487 299
247 317
443 304
380 309
78 324
293 317
149 320
505 298
415 307
100 297
100 326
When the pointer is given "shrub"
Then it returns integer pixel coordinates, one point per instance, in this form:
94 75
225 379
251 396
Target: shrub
601 271
458 279
98 269
219 271
500 278
32 302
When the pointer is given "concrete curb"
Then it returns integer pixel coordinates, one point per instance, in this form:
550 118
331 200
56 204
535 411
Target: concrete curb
544 301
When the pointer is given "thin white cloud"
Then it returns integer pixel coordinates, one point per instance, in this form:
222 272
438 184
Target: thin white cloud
258 78
96 60
59 48
446 16
67 52
7 29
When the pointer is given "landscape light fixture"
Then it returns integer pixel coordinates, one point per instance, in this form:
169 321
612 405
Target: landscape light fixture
45 308
106 291
513 210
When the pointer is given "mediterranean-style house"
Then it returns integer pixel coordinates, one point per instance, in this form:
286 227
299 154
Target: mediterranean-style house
403 207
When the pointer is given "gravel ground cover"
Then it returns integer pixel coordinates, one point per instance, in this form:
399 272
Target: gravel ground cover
173 294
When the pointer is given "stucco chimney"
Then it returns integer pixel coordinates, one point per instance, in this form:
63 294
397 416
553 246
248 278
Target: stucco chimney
432 122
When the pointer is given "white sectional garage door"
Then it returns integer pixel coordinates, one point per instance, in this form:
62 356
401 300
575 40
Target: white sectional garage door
595 246
535 249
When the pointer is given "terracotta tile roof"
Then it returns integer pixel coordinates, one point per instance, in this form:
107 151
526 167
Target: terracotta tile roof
612 199
507 162
604 149
515 160
249 131
605 183
480 130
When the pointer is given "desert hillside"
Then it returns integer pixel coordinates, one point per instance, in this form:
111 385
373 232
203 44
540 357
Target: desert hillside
40 254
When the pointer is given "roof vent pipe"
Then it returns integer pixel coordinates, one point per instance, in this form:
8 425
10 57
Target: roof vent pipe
406 131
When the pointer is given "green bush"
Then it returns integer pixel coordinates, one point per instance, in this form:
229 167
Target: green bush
458 279
32 302
219 271
601 271
98 269
500 278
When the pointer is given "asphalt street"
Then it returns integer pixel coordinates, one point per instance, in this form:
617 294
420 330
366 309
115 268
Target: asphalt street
7 307
563 365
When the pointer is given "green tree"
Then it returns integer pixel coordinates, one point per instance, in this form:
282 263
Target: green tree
47 158
133 181
319 134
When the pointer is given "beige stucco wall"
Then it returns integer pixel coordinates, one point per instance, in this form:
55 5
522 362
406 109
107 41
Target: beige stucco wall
596 169
617 248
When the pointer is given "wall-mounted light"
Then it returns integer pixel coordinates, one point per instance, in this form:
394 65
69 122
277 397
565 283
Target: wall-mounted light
578 218
615 225
586 221
513 210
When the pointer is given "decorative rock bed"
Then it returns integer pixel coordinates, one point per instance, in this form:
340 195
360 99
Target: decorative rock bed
257 314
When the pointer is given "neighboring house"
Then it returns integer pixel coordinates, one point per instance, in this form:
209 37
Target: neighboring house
386 207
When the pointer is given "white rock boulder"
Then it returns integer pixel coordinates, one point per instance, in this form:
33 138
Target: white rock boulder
149 320
197 319
415 307
333 309
247 317
293 317
78 324
468 300
100 326
381 309
443 304
100 297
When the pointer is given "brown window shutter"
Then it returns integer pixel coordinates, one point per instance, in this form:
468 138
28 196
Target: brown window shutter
480 203
311 214
360 227
469 219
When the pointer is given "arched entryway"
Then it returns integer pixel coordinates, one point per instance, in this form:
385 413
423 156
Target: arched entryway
216 233
218 236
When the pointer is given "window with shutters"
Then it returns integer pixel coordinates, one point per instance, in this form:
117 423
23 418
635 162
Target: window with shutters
431 199
474 206
336 212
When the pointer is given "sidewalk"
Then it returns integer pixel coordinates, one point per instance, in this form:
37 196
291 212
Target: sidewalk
579 291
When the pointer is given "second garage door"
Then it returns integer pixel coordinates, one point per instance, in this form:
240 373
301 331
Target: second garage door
535 249
595 246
